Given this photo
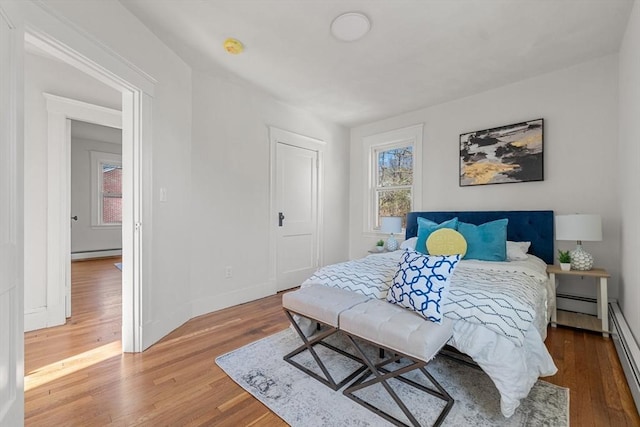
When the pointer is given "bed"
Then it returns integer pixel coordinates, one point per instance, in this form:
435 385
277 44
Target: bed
501 309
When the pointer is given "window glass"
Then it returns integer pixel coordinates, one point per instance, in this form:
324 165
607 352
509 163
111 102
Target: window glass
394 175
393 185
395 167
111 194
106 189
394 203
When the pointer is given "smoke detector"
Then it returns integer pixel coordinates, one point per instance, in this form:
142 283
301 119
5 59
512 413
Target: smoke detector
233 46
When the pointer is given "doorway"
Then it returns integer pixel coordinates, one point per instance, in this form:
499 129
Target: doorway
133 118
61 113
96 190
95 195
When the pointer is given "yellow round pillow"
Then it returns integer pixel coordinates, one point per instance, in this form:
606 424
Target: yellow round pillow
446 241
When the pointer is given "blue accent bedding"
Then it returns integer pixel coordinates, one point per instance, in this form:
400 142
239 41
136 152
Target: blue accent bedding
536 227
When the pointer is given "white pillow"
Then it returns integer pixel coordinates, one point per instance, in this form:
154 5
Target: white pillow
409 244
517 251
421 283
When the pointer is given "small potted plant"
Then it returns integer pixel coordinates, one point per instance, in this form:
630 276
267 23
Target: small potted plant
565 260
380 245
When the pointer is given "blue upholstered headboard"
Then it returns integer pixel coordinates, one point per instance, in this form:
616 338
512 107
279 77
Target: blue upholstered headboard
524 226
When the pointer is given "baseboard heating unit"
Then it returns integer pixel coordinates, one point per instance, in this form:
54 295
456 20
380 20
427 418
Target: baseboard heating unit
627 348
100 253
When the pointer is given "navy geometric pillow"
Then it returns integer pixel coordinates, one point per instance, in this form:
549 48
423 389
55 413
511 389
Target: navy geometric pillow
421 282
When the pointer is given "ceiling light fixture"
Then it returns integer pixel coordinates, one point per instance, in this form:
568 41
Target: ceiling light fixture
350 26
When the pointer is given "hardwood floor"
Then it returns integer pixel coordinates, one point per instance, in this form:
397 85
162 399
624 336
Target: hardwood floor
76 374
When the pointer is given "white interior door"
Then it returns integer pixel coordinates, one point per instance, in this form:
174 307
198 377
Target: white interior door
67 240
297 210
11 257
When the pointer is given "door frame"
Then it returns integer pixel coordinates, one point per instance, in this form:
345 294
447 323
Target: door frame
40 25
277 135
12 226
60 111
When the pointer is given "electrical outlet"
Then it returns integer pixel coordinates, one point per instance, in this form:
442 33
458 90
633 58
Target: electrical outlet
228 272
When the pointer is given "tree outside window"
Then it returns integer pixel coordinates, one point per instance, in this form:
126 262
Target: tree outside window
394 182
393 186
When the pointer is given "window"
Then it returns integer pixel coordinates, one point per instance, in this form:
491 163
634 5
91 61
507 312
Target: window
106 189
394 175
394 181
111 193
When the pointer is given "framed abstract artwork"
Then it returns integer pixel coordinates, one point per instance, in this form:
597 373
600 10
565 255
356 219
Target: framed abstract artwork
511 153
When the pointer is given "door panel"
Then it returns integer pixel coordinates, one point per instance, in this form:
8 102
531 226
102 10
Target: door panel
299 250
11 214
297 200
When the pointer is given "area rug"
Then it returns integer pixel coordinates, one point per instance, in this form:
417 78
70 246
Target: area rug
303 401
118 265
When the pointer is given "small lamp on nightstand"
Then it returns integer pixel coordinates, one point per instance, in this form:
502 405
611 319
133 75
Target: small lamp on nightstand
391 224
579 227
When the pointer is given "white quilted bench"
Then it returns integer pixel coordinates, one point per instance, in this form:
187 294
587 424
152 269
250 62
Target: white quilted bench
324 305
402 332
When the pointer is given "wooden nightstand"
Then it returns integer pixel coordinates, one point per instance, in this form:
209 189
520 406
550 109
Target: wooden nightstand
600 275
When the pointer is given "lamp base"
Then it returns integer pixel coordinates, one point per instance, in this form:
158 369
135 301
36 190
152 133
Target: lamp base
580 259
392 243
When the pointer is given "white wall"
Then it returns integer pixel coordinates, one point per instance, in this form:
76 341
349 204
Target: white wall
84 237
50 76
629 167
230 177
579 106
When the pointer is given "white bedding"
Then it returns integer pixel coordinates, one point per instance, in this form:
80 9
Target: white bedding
501 327
513 295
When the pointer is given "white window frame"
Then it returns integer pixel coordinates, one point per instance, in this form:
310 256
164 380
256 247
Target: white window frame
409 136
98 158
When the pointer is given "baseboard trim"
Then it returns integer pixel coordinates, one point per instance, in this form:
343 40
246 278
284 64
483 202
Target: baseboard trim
44 317
95 254
223 300
627 349
154 331
35 319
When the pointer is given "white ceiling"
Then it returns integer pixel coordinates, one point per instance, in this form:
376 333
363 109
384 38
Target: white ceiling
419 53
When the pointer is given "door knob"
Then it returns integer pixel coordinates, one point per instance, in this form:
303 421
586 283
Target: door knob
75 217
280 219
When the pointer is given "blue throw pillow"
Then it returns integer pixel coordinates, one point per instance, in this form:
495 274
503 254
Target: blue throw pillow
426 227
421 282
486 242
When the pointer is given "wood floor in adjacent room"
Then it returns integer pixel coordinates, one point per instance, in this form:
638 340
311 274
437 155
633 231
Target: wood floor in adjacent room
76 374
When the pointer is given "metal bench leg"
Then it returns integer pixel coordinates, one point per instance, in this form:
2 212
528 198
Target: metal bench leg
309 344
382 375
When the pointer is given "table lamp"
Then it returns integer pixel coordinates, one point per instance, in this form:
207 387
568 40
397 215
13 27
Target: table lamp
391 224
579 227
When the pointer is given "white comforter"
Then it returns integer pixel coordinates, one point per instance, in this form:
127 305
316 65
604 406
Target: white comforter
500 310
506 297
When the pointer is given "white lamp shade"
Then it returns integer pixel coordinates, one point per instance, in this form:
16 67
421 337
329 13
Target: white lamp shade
583 227
390 224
